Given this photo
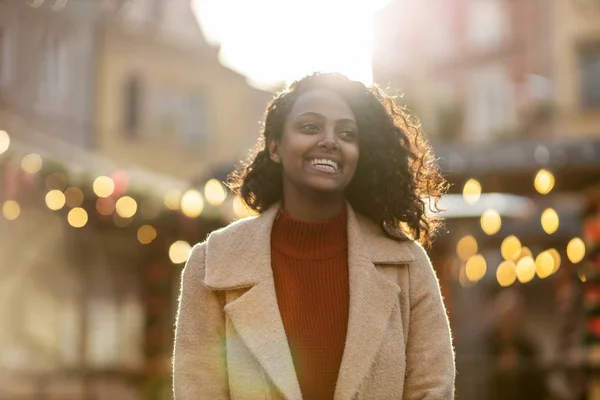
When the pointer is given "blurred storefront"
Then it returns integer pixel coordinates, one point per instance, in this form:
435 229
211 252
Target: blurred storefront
111 114
507 91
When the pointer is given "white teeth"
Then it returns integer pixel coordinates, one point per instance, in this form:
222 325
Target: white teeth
322 161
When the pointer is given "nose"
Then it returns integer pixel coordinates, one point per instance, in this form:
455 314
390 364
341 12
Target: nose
329 141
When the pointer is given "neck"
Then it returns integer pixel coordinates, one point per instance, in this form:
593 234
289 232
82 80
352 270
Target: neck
316 207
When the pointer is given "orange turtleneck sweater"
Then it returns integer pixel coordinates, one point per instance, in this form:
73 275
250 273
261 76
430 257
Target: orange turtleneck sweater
310 268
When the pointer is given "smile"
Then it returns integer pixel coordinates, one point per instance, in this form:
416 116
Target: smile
324 165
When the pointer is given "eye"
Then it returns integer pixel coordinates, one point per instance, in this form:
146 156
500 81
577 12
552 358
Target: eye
309 128
348 135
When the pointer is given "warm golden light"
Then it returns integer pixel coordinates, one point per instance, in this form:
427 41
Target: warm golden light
173 199
103 186
550 221
544 264
77 217
544 181
506 273
126 207
491 222
11 210
466 247
510 248
31 163
525 269
581 275
4 141
472 191
556 256
463 279
192 203
105 206
214 192
525 252
73 197
55 200
240 209
146 234
476 268
56 181
576 250
179 251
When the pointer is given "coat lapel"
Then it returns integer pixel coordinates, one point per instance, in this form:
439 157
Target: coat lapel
372 298
241 258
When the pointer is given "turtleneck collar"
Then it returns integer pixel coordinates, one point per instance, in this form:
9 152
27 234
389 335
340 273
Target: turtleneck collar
310 240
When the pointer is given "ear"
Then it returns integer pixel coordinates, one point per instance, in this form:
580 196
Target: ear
273 151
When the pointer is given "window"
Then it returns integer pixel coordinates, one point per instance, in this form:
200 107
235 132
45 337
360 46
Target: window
54 68
486 22
194 120
490 106
589 61
131 102
5 55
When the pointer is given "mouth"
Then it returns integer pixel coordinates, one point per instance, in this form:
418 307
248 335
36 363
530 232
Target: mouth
324 165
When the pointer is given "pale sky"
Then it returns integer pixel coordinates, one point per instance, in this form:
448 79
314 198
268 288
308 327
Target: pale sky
271 41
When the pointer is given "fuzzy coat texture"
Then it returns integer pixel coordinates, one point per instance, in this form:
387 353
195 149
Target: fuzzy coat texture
230 342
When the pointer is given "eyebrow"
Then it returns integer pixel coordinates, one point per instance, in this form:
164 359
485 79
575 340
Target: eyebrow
317 115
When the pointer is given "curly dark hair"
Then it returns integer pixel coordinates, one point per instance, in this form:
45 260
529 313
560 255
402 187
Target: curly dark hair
397 177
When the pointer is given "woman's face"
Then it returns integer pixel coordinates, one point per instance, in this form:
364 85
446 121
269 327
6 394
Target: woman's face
318 148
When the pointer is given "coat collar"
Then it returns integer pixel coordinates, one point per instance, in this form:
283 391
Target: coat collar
239 256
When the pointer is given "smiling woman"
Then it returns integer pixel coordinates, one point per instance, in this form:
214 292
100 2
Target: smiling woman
327 293
271 41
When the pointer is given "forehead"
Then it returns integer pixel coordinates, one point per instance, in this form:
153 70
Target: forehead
324 102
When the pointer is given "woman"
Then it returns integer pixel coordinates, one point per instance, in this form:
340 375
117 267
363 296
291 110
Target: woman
327 293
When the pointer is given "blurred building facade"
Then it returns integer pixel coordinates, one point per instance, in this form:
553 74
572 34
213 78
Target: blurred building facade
164 100
505 89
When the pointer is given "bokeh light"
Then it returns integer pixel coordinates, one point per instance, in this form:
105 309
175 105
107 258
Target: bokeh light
77 217
173 199
55 200
472 191
476 268
73 197
491 222
550 221
525 252
126 207
556 256
179 251
146 234
510 248
525 269
4 141
192 203
240 209
105 206
466 247
544 264
506 273
214 192
31 163
121 222
576 250
11 210
103 186
544 181
463 279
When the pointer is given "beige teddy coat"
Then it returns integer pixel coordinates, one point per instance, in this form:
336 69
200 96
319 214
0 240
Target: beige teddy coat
230 341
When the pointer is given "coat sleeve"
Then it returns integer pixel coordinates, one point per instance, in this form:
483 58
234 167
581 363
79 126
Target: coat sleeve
430 368
199 359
